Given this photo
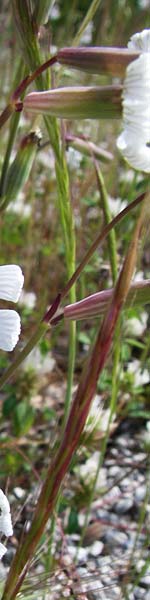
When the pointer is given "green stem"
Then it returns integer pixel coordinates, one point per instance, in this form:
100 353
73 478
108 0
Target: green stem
88 17
71 361
12 132
107 216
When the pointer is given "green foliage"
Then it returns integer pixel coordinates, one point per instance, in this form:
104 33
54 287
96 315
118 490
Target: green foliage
17 403
73 526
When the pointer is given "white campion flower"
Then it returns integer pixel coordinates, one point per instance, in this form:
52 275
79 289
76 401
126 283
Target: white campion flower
11 282
5 521
134 141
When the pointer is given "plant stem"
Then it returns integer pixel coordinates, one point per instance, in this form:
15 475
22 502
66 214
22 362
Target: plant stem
88 17
12 132
107 217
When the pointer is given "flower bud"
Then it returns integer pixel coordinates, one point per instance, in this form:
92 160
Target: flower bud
97 304
98 60
77 102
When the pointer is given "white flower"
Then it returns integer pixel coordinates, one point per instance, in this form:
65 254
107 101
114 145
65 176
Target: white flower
140 41
5 520
11 282
134 141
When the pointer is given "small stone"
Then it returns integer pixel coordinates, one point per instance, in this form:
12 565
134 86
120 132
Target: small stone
113 494
125 483
82 553
19 493
139 593
103 514
130 593
82 571
125 442
139 565
140 493
132 538
114 471
145 580
123 505
96 548
141 456
2 571
67 560
7 559
114 452
117 592
116 538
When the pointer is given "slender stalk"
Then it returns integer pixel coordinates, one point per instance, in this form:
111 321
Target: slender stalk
12 132
41 11
6 114
107 218
85 146
88 17
112 250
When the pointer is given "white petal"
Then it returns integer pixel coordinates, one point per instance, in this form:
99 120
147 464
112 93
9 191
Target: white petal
9 329
140 41
11 282
134 142
5 516
3 550
6 524
138 155
4 504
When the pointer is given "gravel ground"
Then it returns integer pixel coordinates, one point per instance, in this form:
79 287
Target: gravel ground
110 561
